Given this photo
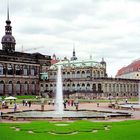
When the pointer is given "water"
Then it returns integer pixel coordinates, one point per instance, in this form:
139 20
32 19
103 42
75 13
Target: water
59 93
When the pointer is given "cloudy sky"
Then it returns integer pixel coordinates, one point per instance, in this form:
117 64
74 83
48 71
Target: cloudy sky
101 28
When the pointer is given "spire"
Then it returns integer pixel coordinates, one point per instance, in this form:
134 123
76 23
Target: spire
8 10
8 41
8 28
74 54
8 19
90 57
73 50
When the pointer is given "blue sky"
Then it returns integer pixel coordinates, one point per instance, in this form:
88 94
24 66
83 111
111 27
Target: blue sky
101 28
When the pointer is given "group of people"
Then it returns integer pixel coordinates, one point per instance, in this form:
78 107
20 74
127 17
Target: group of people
71 103
26 103
66 103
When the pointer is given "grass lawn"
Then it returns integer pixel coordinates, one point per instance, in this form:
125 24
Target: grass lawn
78 130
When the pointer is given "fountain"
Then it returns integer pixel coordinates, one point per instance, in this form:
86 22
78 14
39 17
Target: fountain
59 112
59 93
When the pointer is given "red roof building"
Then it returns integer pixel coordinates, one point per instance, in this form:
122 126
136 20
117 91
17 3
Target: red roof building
132 71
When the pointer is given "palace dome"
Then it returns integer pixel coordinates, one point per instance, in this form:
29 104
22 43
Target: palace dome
8 38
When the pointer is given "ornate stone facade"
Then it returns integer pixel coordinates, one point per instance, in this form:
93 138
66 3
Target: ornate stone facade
19 72
88 79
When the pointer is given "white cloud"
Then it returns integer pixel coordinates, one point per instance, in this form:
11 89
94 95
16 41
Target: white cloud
103 28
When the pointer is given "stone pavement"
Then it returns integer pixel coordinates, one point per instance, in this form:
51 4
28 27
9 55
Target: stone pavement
89 106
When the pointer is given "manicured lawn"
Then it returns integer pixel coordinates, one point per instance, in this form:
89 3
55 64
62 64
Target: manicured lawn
79 130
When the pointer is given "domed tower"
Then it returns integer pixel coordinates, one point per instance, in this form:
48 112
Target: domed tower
8 41
74 55
103 63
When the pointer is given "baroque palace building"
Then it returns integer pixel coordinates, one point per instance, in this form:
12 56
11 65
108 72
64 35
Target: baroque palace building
87 79
19 72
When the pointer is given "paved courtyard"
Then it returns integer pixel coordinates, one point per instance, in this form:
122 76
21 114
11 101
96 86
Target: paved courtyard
89 106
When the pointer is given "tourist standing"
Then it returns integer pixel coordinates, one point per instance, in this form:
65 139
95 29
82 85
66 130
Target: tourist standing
23 102
97 104
126 101
49 102
64 104
15 107
29 103
26 102
76 104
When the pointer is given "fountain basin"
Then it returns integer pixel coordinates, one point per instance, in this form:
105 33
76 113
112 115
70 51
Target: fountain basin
67 115
130 106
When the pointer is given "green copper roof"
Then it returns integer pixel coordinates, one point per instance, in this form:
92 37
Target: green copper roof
77 63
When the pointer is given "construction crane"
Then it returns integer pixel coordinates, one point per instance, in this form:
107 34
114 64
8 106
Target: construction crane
30 49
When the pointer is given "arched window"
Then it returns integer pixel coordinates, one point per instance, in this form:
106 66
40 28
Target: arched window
94 87
17 69
83 85
32 70
73 85
18 87
99 87
25 70
2 82
78 72
10 87
10 69
1 87
68 73
1 69
88 72
26 87
98 73
83 72
88 85
33 87
94 73
63 73
78 85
